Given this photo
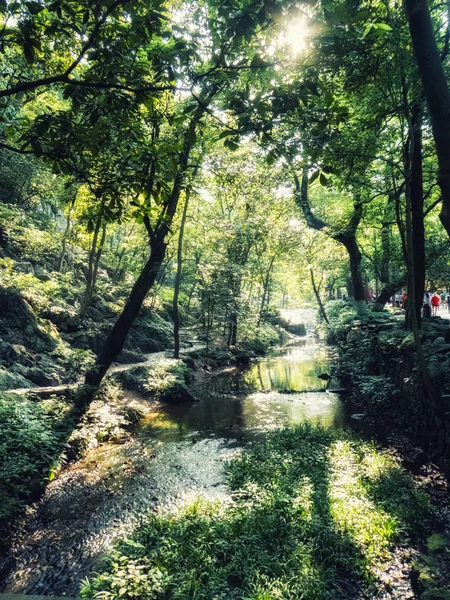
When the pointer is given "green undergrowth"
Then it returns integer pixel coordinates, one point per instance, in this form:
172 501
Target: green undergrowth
312 514
31 437
259 340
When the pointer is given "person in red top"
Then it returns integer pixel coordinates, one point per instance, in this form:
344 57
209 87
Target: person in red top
434 304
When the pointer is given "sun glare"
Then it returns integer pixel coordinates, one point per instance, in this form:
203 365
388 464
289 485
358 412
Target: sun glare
296 35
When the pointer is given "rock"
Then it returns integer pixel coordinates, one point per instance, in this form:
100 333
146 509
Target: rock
435 594
8 354
41 273
95 314
15 309
128 357
189 362
24 267
242 359
66 320
38 377
176 394
11 381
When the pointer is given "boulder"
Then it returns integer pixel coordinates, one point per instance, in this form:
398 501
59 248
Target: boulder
128 357
38 377
176 394
65 320
24 267
11 381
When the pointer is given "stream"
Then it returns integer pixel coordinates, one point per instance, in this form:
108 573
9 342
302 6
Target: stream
175 453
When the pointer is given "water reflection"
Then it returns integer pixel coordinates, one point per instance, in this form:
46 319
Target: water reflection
244 403
293 368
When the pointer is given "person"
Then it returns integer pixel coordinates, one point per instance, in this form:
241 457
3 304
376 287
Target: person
426 305
434 304
404 296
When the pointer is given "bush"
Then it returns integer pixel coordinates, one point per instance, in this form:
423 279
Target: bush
30 437
375 392
258 340
341 315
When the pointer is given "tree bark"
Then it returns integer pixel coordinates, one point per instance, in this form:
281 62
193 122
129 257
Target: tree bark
266 283
417 212
388 292
318 298
90 275
346 236
176 293
116 339
436 92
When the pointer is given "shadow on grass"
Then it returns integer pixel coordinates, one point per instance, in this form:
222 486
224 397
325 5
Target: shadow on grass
313 513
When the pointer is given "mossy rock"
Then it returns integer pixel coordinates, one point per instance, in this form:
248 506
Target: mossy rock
11 381
176 394
150 333
128 357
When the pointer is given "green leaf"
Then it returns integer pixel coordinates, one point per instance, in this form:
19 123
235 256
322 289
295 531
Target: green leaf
231 145
313 177
323 180
436 542
383 26
35 7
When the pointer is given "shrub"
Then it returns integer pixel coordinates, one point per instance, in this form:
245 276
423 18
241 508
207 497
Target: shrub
341 315
30 437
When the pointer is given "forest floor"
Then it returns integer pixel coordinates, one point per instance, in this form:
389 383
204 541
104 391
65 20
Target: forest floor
323 502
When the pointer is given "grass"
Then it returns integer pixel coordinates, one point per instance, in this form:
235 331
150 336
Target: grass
312 514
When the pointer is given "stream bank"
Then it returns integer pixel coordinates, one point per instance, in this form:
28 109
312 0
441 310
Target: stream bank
178 452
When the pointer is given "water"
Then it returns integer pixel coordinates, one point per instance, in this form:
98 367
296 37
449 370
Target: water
283 389
176 453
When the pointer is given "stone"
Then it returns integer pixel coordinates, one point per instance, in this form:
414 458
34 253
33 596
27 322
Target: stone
24 267
128 357
38 377
12 381
65 320
176 394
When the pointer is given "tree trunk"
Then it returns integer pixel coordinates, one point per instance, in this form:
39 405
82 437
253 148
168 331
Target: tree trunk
265 295
436 92
356 275
176 293
387 292
346 236
90 275
97 259
116 339
385 253
62 256
319 299
417 212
